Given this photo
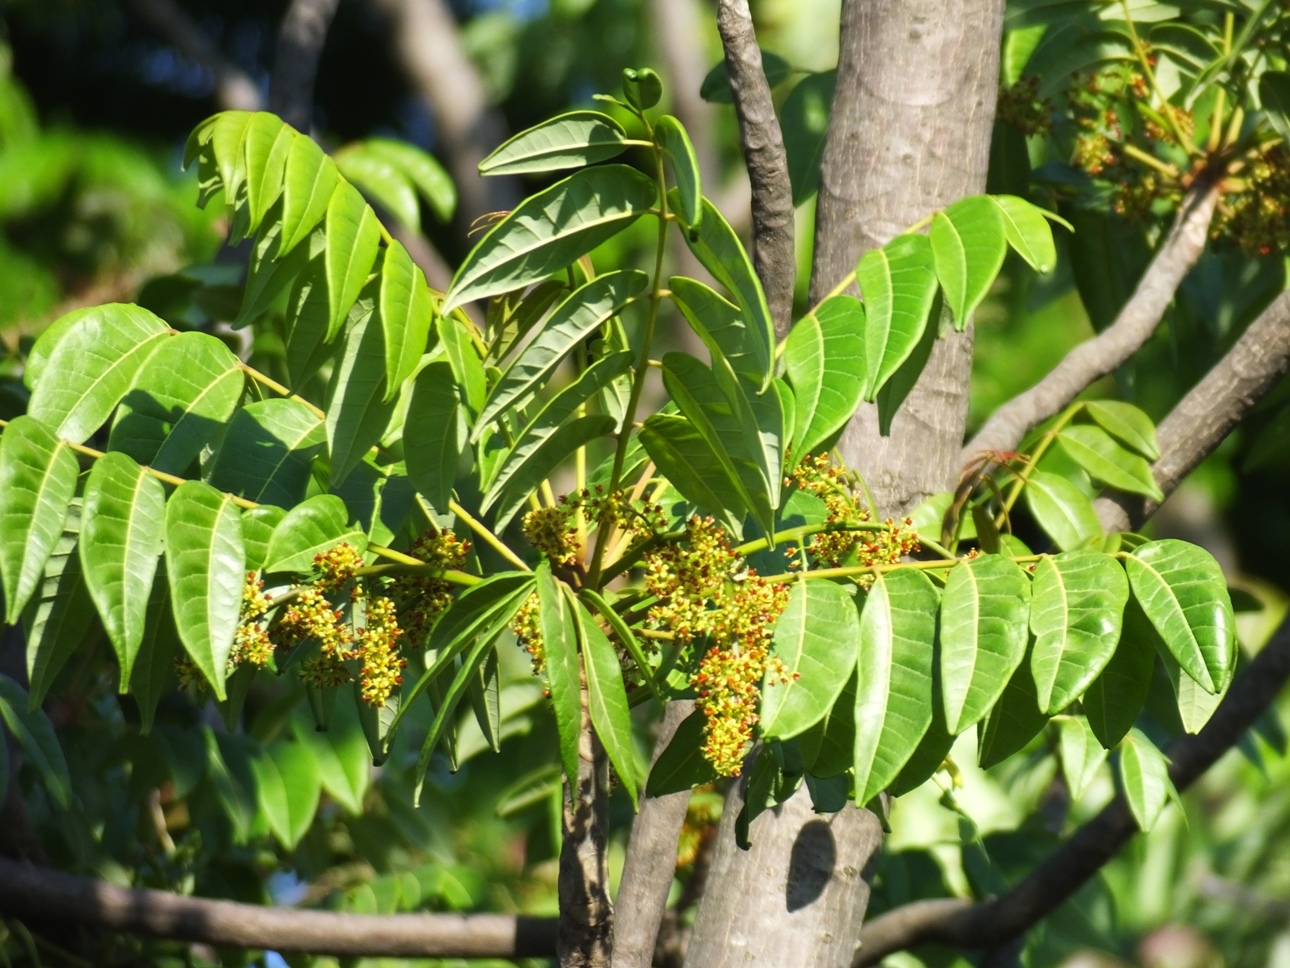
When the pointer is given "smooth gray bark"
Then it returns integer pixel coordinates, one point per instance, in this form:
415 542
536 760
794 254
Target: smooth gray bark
295 62
909 133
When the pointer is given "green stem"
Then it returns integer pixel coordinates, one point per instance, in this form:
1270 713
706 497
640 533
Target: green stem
447 574
1167 112
487 536
856 571
1046 441
805 531
272 384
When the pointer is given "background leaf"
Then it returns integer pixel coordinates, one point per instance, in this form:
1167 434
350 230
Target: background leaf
1144 777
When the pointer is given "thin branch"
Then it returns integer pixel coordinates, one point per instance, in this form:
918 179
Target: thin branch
651 860
1136 322
763 145
41 894
295 62
1065 870
234 89
1206 415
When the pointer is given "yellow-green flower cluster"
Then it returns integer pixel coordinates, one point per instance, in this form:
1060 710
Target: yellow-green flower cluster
421 599
378 647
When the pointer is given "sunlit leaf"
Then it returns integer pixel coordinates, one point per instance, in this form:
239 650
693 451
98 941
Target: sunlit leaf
898 283
675 142
406 313
607 697
825 362
563 670
311 528
1093 449
969 244
1027 231
1061 509
565 141
353 238
1126 423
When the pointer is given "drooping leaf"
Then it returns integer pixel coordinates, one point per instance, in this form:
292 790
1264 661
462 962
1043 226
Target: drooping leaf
1195 705
265 145
1182 591
35 734
894 695
1076 611
551 230
563 670
681 765
607 697
1115 698
267 452
984 614
308 184
311 528
675 142
1093 449
467 368
969 244
180 400
92 366
825 362
720 324
268 277
420 168
518 478
353 238
382 181
1013 722
716 83
892 395
566 141
340 753
1274 95
1126 423
59 620
898 283
121 539
683 456
804 119
1081 753
928 758
357 408
816 637
154 667
206 568
37 480
1061 509
434 434
1027 231
1144 777
406 314
577 317
298 772
718 249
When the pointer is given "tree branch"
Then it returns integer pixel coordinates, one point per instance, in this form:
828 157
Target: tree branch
967 925
1134 325
295 62
651 859
40 893
1205 416
763 145
234 89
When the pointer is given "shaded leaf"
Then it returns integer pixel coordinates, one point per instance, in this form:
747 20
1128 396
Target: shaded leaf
675 142
681 765
563 671
35 734
1013 722
267 452
434 434
804 119
684 457
357 409
1115 698
1144 777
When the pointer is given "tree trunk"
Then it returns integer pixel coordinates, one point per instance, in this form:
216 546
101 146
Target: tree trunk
909 133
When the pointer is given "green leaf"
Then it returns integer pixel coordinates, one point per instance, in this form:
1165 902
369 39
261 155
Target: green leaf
340 752
271 797
154 668
206 567
524 469
1127 424
898 283
420 168
486 701
984 615
1115 698
825 362
681 765
716 83
1027 231
583 312
1061 509
35 734
1182 591
121 540
1195 705
607 697
1144 777
308 184
1014 721
563 675
358 410
626 638
718 249
38 476
566 141
310 529
268 277
266 145
267 452
684 457
817 635
406 313
59 620
353 238
92 367
928 758
467 368
383 182
1081 753
551 230
1093 449
969 244
1274 97
298 772
642 87
896 390
894 701
744 433
804 119
50 337
180 400
1076 611
434 434
720 324
672 137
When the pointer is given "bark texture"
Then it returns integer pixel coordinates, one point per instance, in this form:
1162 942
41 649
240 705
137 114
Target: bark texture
909 133
295 62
